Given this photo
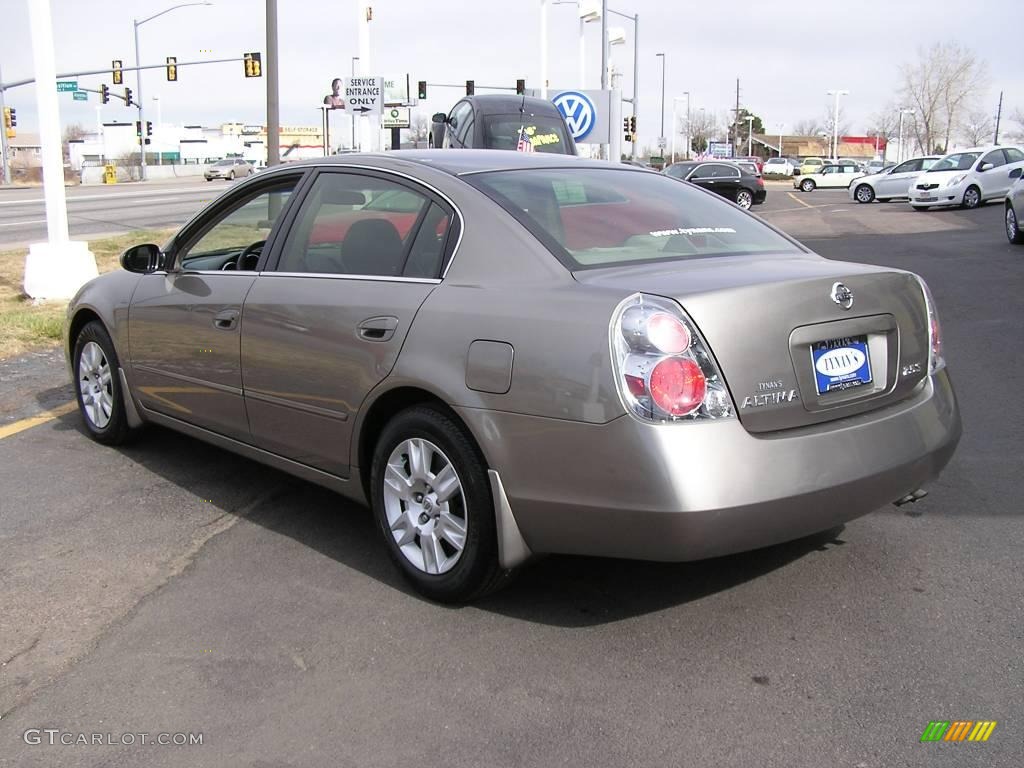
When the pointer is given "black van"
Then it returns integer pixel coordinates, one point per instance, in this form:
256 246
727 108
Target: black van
495 122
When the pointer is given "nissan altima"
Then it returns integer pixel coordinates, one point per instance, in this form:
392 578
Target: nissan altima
509 354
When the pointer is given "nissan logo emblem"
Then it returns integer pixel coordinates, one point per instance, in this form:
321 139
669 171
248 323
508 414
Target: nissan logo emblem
842 295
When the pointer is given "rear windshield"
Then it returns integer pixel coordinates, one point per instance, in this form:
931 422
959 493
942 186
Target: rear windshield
546 134
602 217
961 161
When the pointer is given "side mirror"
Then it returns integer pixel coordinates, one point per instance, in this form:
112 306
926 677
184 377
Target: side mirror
1015 173
985 167
141 259
438 117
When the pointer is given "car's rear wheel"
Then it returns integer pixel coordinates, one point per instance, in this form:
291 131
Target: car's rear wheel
807 185
432 501
744 199
864 193
972 197
98 386
1013 231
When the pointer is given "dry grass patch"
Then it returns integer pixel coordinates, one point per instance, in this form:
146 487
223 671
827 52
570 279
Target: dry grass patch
26 324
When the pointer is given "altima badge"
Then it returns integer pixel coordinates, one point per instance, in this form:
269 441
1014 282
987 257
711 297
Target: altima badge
842 295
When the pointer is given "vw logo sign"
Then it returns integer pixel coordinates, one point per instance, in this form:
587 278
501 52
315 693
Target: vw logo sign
578 111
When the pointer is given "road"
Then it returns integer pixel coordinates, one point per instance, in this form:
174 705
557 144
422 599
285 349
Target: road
168 586
102 210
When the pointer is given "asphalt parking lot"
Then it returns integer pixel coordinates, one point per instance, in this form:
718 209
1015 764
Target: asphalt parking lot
169 587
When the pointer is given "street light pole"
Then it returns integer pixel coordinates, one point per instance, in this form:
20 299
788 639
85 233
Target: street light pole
750 135
544 49
354 60
159 153
779 126
899 143
661 142
138 78
835 120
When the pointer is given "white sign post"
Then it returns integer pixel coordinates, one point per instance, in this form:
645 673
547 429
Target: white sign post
364 95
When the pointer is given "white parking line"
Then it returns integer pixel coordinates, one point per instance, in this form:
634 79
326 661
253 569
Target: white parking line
23 223
111 196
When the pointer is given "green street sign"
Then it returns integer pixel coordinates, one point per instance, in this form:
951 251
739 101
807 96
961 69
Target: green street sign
81 96
64 86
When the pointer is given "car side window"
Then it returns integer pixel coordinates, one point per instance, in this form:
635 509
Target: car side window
701 172
234 239
907 167
355 224
828 169
1013 155
459 116
995 157
723 172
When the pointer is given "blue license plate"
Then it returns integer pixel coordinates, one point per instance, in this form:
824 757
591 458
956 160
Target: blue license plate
841 364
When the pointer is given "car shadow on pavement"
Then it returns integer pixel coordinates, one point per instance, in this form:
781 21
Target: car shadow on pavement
566 591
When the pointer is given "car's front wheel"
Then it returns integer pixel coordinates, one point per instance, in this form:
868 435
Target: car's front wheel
432 501
864 193
98 386
744 199
807 185
1013 230
972 197
231 176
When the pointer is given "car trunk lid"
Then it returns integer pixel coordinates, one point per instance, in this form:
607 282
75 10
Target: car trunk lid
783 342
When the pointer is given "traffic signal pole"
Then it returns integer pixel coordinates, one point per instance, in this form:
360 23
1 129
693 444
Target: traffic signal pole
142 100
3 137
273 96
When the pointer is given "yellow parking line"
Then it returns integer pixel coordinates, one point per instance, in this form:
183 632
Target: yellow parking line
34 421
806 205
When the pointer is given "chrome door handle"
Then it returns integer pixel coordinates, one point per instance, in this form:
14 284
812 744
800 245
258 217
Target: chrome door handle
226 319
377 328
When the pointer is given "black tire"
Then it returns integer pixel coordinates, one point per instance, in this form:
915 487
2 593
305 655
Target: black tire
477 571
807 185
863 193
1013 231
971 200
744 198
231 176
116 430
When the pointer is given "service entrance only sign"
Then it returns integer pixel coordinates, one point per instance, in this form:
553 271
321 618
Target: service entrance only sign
364 95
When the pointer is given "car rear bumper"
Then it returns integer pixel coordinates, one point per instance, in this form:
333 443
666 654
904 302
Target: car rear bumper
693 491
759 195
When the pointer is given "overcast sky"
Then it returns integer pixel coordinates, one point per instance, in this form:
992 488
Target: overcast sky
786 53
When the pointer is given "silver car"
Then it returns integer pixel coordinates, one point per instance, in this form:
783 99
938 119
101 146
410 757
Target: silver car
508 354
1014 209
891 183
229 168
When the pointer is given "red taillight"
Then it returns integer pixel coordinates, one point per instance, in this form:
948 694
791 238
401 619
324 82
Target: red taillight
678 385
760 181
667 333
636 385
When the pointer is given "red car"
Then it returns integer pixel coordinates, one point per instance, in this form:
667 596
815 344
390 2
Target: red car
758 161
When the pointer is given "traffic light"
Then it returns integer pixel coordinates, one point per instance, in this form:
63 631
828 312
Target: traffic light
172 69
115 65
14 117
470 88
104 94
10 120
422 89
253 64
138 129
127 96
520 87
625 128
149 128
632 124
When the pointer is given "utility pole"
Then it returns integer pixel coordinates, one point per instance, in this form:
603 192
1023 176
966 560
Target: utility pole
273 99
999 116
605 149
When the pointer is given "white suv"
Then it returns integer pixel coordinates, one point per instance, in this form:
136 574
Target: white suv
967 177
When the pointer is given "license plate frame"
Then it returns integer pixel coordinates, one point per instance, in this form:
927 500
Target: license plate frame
842 371
928 199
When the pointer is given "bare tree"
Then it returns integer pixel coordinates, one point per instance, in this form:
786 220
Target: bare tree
1016 134
419 129
73 132
939 86
703 128
809 127
884 123
977 127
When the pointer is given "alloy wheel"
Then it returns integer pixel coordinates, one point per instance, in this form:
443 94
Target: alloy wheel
425 506
744 199
972 197
807 185
95 383
864 194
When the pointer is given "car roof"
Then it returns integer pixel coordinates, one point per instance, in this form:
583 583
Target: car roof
458 162
503 104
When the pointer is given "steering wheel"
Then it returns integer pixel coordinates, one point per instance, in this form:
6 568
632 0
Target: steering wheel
250 257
